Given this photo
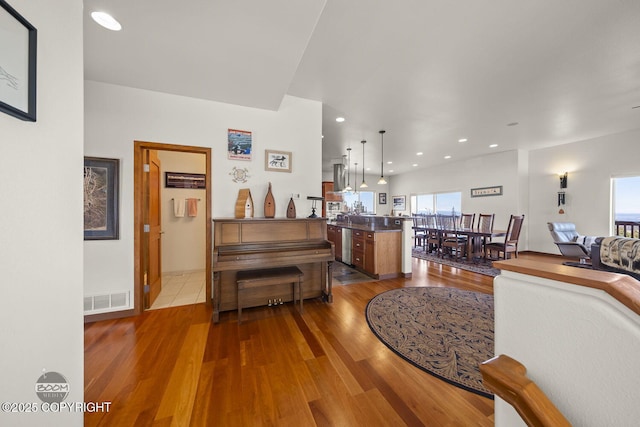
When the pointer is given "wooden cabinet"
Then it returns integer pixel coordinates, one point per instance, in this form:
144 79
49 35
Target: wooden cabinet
327 187
330 196
338 243
377 253
357 247
370 252
331 233
334 234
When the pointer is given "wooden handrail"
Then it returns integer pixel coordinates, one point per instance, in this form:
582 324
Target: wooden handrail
507 378
622 287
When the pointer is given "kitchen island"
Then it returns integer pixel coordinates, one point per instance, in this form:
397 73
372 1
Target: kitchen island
371 244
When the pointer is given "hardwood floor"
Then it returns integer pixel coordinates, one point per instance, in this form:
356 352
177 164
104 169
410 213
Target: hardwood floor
174 367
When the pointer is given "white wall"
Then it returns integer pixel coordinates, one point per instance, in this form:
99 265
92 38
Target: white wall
505 169
531 184
184 238
41 317
372 182
115 116
580 345
591 165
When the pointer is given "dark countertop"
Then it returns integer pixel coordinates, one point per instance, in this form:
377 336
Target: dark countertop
366 228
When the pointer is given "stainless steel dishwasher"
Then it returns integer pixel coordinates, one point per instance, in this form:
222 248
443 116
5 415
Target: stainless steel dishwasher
346 245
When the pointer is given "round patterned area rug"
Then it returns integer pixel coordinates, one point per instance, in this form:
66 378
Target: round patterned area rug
446 332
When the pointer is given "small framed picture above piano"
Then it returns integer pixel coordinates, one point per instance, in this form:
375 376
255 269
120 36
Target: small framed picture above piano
277 161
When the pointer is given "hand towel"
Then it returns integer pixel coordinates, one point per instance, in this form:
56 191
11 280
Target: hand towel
178 207
192 207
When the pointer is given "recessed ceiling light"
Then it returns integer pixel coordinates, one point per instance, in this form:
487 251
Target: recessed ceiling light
389 163
106 20
462 140
419 153
447 157
414 165
391 170
493 145
339 119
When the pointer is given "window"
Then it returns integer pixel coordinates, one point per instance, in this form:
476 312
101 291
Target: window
626 206
440 203
361 201
422 203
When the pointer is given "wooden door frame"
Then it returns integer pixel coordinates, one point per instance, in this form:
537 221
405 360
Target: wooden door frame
138 221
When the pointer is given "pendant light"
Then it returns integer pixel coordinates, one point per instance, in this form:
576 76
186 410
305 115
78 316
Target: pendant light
348 188
355 174
382 181
363 184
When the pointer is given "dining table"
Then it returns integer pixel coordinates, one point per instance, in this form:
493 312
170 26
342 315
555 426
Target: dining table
476 239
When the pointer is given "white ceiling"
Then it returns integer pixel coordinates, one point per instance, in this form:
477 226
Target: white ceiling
429 72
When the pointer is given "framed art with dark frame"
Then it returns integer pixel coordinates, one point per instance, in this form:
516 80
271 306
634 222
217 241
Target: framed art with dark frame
277 161
185 180
101 202
18 46
496 190
382 198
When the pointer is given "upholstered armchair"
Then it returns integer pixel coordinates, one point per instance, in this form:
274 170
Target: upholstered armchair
571 243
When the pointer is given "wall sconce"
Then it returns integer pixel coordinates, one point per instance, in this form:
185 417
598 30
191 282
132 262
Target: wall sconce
563 180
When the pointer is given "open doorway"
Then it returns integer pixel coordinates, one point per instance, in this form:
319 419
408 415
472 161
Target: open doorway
149 204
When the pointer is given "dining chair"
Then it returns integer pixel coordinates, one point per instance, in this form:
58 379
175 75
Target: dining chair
466 223
485 225
510 244
467 220
418 231
452 241
485 222
430 223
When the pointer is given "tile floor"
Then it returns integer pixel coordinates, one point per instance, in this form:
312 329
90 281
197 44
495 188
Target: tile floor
181 288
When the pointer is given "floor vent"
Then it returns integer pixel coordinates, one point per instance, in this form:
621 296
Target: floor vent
107 302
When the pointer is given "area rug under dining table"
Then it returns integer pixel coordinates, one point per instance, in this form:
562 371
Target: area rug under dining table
446 332
479 266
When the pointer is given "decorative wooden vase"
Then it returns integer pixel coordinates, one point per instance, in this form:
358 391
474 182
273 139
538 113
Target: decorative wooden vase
269 204
291 209
244 204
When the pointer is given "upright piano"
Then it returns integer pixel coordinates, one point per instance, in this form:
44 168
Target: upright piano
257 243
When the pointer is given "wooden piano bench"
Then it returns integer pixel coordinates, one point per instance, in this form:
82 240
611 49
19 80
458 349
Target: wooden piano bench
251 279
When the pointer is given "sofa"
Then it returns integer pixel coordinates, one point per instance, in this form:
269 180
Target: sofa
617 254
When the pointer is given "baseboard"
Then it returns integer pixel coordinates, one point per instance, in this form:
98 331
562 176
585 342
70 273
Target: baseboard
109 316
